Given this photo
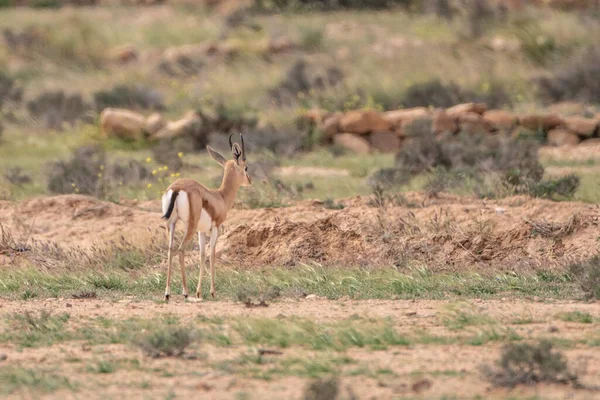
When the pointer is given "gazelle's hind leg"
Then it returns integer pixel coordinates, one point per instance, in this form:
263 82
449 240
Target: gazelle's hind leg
214 235
202 242
170 237
186 239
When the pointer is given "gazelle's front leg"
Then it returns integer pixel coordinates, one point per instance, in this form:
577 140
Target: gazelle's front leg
202 242
171 235
214 235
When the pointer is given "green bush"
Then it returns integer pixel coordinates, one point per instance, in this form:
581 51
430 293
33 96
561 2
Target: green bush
587 274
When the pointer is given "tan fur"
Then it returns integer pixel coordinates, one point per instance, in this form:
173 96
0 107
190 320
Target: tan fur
216 203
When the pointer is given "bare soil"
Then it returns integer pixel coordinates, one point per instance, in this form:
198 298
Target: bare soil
448 233
424 370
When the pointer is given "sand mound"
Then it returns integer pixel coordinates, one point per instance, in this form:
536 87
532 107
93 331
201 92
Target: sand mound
449 233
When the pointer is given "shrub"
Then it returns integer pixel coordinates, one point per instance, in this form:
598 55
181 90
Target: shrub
129 96
490 166
16 176
437 94
322 389
527 364
55 108
328 5
166 342
80 174
577 79
587 275
302 77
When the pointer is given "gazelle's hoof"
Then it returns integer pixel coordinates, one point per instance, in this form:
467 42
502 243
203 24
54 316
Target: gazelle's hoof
199 295
167 298
185 296
213 294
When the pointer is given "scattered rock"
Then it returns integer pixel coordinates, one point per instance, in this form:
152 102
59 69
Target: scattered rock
562 137
122 124
385 141
155 123
124 55
473 123
443 123
69 305
536 122
399 117
331 124
363 122
582 126
457 110
352 142
553 329
501 120
311 297
3 357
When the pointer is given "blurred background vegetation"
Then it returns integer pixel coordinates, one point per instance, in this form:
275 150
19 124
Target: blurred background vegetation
258 66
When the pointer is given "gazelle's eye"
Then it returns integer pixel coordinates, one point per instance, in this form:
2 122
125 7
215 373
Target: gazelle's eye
246 168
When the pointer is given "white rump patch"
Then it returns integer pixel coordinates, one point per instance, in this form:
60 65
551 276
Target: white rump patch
166 200
182 205
205 223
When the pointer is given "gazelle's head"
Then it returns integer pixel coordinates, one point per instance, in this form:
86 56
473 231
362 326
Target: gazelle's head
236 167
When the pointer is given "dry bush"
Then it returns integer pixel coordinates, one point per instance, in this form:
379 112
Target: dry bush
527 364
17 176
322 389
577 79
9 90
437 94
489 166
329 5
80 174
302 77
587 274
55 108
87 172
135 97
167 342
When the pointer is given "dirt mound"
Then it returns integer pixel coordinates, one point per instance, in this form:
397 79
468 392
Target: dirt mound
449 233
288 243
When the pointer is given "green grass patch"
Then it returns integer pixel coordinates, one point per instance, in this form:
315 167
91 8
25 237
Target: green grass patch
15 379
576 316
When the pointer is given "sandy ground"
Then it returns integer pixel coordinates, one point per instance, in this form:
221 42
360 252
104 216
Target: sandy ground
447 233
423 371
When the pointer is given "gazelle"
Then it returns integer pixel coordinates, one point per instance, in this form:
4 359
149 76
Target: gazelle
203 210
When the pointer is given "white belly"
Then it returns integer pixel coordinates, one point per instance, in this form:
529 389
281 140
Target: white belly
205 224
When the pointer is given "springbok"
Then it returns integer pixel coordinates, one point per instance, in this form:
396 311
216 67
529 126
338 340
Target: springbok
203 210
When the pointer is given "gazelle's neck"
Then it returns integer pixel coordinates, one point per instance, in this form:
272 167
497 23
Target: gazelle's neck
229 187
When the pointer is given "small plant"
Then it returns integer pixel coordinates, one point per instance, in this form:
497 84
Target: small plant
322 389
331 204
587 274
528 364
102 367
81 174
576 316
16 176
131 97
166 342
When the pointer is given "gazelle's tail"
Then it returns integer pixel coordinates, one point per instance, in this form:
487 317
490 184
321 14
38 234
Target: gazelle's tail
168 203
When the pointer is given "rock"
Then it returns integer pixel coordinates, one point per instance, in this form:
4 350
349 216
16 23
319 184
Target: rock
280 45
398 117
567 108
363 122
385 141
581 125
124 55
477 108
331 124
501 120
590 142
190 125
536 122
352 142
443 124
155 123
311 297
562 137
473 123
315 115
122 124
501 44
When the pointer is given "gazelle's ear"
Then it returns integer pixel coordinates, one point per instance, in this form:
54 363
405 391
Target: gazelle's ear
236 150
215 155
